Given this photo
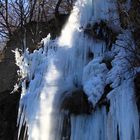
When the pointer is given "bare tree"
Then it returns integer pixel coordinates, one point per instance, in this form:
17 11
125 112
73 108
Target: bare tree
15 14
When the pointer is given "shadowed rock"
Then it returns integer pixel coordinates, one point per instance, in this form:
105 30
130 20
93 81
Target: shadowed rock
76 102
66 127
8 114
103 100
137 89
101 31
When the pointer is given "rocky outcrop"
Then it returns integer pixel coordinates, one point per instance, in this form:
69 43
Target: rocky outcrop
8 115
76 102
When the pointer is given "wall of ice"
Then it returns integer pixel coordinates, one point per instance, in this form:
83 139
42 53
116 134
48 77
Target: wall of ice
64 64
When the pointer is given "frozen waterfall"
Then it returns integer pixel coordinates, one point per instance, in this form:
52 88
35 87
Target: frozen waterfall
63 65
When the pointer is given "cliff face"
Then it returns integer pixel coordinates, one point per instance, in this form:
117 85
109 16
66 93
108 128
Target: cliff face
8 102
8 115
76 102
8 72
